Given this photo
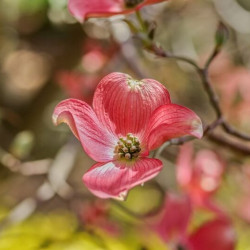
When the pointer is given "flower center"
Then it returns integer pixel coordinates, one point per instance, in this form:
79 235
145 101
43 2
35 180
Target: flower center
127 148
134 84
132 3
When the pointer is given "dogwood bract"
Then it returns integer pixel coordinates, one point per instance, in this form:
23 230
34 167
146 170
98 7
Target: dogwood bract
199 176
172 225
82 9
129 118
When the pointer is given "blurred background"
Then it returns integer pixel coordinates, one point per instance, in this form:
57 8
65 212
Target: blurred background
47 56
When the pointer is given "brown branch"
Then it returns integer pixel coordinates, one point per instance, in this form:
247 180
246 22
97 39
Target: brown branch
215 52
213 97
158 51
233 145
221 36
232 131
236 146
213 125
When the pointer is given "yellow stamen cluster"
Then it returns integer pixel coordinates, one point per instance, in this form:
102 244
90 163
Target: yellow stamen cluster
127 148
132 3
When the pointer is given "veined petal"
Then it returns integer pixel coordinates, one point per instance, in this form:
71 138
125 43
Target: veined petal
216 234
124 105
82 9
172 121
114 179
97 142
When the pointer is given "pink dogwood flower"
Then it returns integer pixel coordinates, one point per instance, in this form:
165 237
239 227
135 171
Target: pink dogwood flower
78 85
129 118
81 83
173 223
96 214
234 90
83 9
215 234
232 83
199 176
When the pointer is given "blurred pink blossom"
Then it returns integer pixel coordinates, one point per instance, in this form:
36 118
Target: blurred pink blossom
200 175
232 84
243 201
173 222
215 234
78 85
97 214
96 55
81 84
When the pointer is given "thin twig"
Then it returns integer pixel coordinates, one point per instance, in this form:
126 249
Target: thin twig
215 52
232 131
213 97
236 146
213 125
159 51
233 145
221 36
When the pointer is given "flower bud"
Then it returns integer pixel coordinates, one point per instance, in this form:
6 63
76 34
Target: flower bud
221 35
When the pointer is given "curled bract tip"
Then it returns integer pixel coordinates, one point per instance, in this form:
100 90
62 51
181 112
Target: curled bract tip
54 119
197 128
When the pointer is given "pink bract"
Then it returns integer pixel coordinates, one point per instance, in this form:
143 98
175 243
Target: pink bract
215 234
235 95
83 9
174 219
81 84
78 85
173 224
96 214
128 119
200 176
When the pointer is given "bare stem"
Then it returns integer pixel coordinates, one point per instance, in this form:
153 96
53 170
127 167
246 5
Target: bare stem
141 21
213 97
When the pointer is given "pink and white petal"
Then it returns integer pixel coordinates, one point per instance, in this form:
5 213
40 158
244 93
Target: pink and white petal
216 234
124 105
114 179
97 142
184 169
81 9
172 121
